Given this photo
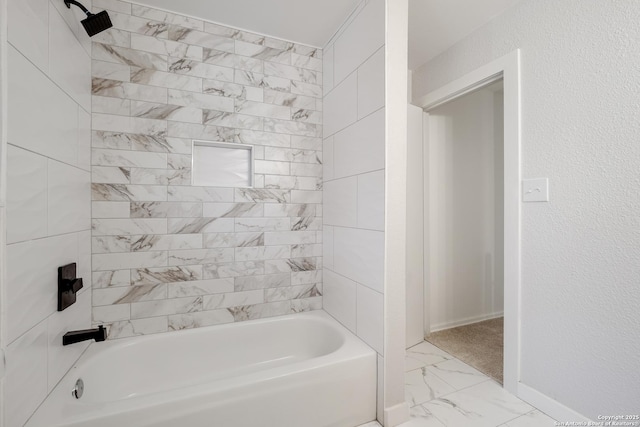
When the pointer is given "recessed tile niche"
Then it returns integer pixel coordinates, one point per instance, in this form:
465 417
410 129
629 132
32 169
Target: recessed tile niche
219 164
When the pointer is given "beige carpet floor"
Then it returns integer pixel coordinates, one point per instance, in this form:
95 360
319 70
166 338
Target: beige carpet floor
479 345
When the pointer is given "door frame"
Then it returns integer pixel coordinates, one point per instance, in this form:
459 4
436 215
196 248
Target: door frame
506 68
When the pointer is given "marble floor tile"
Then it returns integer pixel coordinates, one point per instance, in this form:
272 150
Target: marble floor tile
422 385
422 417
532 419
424 354
457 374
371 424
483 405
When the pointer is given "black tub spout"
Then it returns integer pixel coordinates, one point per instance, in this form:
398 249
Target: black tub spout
98 334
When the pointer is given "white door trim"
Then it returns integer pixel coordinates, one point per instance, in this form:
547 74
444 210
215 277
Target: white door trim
508 69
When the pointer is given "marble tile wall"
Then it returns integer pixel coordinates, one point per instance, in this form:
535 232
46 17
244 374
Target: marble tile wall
168 255
48 210
354 177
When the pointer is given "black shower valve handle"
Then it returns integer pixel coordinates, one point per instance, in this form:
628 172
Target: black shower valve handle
73 285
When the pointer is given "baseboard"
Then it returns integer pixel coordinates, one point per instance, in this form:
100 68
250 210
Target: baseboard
396 415
552 408
466 321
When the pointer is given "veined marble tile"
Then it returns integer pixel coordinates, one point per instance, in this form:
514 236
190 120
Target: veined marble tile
308 89
272 168
199 100
233 269
260 311
263 110
139 25
110 209
165 112
306 143
288 210
305 251
165 47
292 155
196 320
200 287
165 79
165 307
306 169
259 195
301 305
289 99
485 404
114 5
249 78
147 276
112 175
200 225
200 194
118 227
165 242
225 89
180 145
307 116
110 70
246 63
167 17
262 52
200 256
233 240
110 313
166 210
305 183
234 299
109 122
307 277
292 73
291 292
128 260
112 296
532 419
290 265
422 386
424 354
308 62
278 44
232 210
137 193
258 253
220 30
262 224
219 57
131 141
195 131
457 374
179 161
200 69
306 223
130 328
422 417
124 89
113 37
160 176
289 237
233 120
263 138
246 283
105 105
105 279
110 244
131 57
292 128
200 38
309 51
307 196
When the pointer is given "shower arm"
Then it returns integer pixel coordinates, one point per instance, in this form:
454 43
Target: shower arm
84 9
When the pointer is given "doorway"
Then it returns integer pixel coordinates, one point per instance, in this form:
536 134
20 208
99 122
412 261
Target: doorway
469 136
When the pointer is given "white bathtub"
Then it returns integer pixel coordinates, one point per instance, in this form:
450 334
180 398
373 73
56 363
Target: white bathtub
302 370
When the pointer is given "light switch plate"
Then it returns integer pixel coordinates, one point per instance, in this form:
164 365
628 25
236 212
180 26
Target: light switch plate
535 190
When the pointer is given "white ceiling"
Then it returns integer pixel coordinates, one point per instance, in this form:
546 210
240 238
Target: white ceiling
310 22
434 25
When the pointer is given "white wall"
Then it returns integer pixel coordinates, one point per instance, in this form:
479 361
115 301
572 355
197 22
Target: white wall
354 163
465 236
48 197
579 251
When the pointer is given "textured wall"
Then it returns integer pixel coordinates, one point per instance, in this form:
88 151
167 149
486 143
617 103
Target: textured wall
580 251
48 197
168 255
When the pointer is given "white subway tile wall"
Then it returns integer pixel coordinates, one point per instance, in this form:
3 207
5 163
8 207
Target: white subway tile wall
168 255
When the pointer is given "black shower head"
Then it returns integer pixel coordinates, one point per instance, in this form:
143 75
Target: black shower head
94 23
